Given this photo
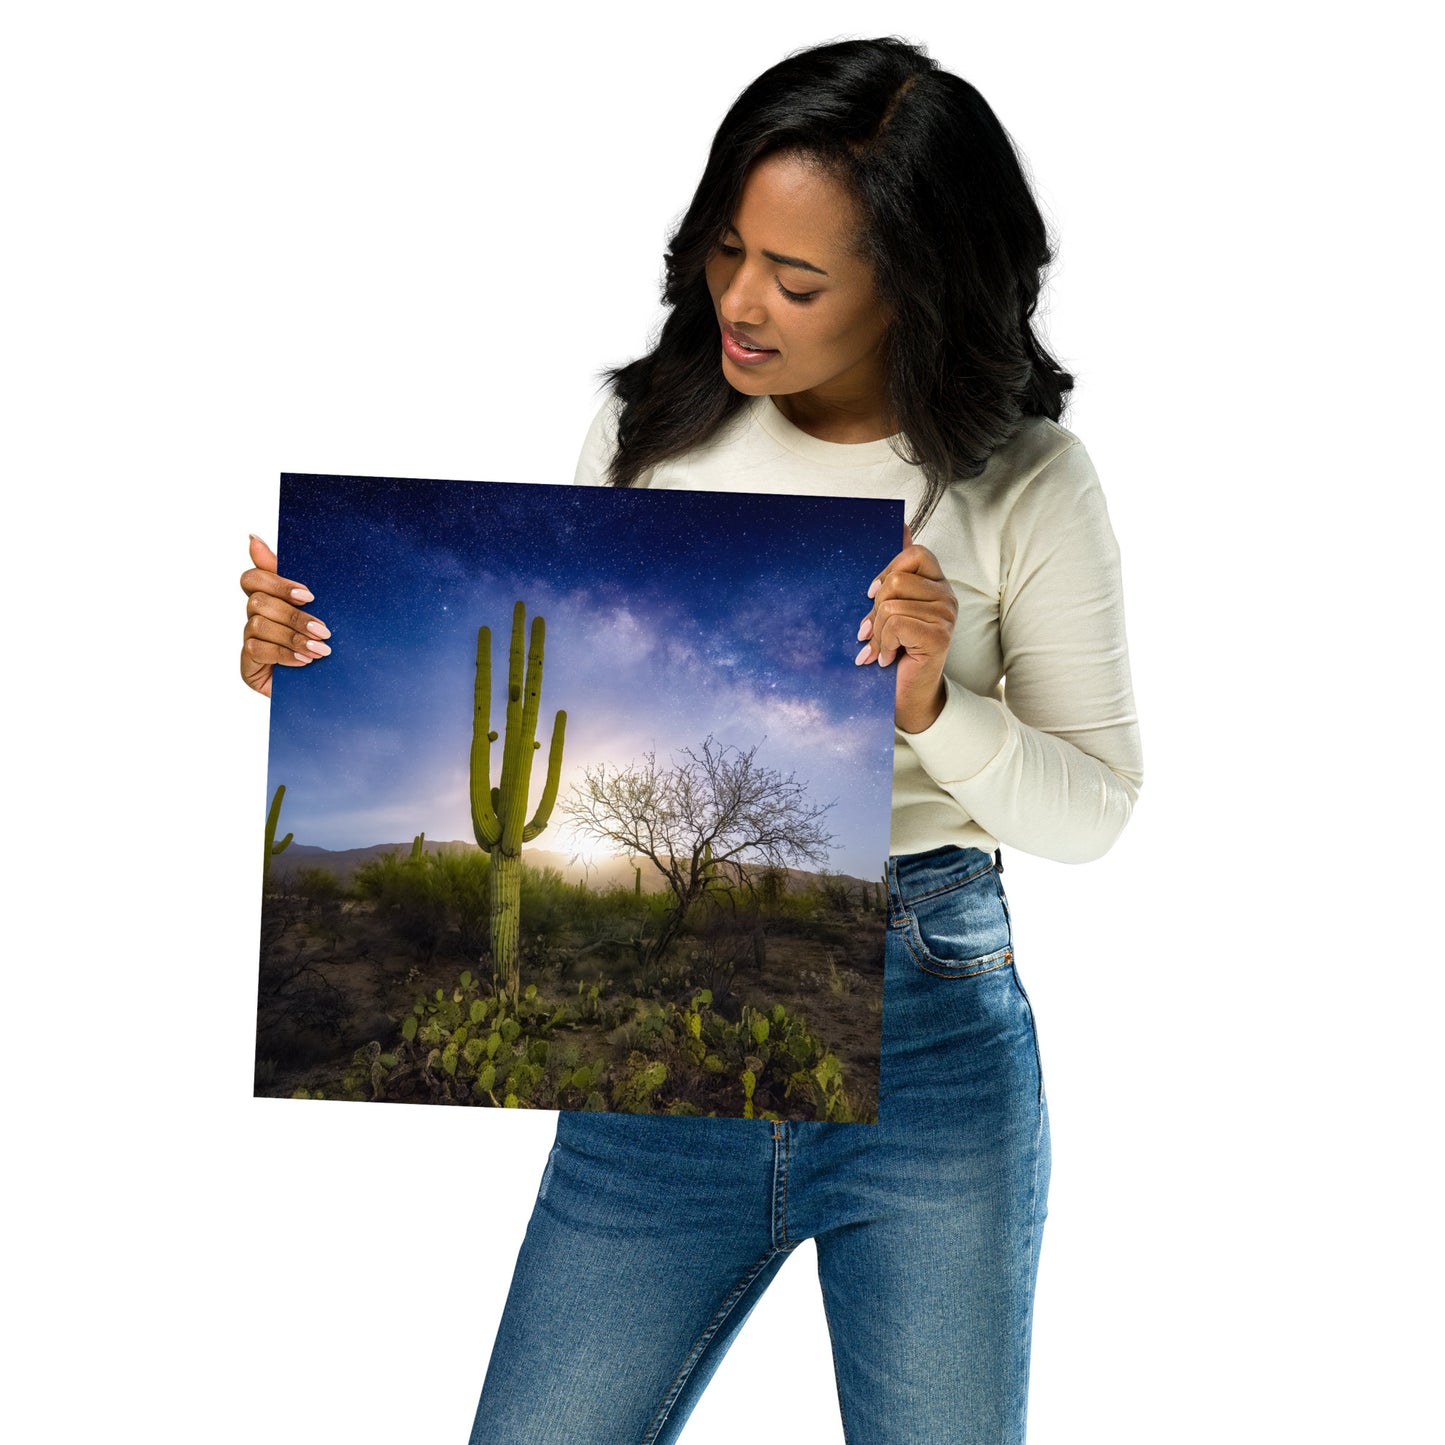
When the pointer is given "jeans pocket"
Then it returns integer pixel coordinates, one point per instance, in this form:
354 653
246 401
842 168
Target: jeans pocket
960 930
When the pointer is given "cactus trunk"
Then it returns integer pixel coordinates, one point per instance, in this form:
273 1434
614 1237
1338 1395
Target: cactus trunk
506 921
498 812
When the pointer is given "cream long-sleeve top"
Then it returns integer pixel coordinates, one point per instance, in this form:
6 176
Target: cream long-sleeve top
1037 746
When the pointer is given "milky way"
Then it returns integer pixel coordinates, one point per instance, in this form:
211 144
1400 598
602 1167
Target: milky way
669 615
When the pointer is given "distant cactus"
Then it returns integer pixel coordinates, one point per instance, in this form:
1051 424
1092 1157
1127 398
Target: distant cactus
637 881
418 847
498 811
273 817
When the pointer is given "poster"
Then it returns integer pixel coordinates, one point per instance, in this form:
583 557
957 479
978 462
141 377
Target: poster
588 806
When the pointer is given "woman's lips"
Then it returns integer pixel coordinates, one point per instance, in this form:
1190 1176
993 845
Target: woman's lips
741 350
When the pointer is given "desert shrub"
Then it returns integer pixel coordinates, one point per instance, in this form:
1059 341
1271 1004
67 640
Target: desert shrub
834 892
318 887
793 913
464 877
548 899
412 893
772 885
377 879
725 942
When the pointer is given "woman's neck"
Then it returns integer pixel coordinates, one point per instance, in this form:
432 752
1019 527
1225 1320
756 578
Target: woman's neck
831 420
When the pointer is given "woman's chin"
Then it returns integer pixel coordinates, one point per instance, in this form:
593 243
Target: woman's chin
745 381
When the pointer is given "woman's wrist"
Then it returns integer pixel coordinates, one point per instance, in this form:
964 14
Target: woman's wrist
919 717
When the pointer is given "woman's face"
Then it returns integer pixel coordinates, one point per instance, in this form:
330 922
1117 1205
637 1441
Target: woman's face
796 306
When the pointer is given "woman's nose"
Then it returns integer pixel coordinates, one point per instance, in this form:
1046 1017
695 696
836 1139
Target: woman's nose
741 303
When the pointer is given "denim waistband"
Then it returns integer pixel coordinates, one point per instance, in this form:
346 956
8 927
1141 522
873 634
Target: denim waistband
915 875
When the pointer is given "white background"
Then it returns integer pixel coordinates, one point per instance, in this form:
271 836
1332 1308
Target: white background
402 240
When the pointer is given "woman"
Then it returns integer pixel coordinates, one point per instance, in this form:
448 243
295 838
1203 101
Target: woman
850 301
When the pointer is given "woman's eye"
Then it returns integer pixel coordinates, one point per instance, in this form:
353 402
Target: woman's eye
796 295
724 249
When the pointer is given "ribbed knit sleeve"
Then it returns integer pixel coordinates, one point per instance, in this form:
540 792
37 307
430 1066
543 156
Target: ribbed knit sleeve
1054 767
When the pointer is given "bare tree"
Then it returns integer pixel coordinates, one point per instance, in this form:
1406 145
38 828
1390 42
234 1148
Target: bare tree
709 821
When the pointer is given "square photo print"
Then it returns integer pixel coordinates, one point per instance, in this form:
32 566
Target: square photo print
588 806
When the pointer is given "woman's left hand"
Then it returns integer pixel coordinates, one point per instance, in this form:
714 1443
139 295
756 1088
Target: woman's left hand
911 624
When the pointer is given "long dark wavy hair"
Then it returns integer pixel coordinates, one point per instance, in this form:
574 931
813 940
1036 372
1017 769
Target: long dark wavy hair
950 229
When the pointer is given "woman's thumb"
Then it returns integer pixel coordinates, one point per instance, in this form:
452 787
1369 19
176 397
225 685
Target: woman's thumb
262 555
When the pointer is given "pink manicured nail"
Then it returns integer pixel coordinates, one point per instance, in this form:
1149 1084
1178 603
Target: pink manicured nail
877 583
319 648
303 657
857 661
866 630
302 595
318 629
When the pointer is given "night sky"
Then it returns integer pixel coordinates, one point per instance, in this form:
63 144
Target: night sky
670 615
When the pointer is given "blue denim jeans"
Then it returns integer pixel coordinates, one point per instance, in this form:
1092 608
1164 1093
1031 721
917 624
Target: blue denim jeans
652 1238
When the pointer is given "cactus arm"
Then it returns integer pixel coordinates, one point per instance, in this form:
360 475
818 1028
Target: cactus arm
527 704
273 816
484 813
511 734
554 776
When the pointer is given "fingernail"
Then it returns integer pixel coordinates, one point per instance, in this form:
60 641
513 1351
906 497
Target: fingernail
303 657
857 661
302 595
254 538
866 630
877 583
319 648
318 629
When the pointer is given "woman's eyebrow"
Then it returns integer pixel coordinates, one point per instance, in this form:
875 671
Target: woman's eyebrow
794 261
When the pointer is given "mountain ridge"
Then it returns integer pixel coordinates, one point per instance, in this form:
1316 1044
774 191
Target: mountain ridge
599 876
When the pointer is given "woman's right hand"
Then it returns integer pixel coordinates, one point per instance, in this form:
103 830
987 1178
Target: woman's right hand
277 631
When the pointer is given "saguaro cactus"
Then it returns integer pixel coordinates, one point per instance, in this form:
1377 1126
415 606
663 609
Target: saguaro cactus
498 811
273 817
418 847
